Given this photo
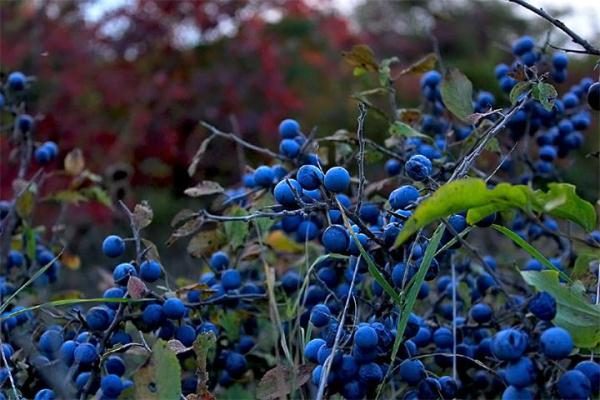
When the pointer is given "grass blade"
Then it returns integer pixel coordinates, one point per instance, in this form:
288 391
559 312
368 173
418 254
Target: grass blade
535 253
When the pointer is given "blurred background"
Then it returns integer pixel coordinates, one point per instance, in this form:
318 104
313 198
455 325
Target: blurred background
128 80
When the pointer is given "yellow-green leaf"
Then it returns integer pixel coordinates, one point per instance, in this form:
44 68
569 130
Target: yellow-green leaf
457 94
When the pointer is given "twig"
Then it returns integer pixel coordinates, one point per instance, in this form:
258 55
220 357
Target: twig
135 231
567 50
454 284
360 133
10 377
589 49
338 334
463 168
215 131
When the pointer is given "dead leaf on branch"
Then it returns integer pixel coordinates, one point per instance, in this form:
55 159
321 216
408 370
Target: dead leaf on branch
282 380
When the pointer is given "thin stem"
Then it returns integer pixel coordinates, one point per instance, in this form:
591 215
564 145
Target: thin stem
465 165
589 49
338 335
360 133
452 266
231 136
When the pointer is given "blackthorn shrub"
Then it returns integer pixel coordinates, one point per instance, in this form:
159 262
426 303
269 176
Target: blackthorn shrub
317 275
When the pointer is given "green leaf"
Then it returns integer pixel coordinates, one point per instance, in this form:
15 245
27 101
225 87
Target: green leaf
67 196
399 128
473 195
161 377
205 348
30 241
545 93
414 287
462 195
427 63
385 70
517 90
574 313
532 251
583 261
457 94
562 201
361 57
236 231
96 193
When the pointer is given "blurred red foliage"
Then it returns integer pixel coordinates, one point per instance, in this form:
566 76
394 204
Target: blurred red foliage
131 86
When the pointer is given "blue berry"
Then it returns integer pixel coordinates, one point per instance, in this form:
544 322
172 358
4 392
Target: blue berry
25 122
115 365
15 259
481 313
67 352
289 148
509 344
501 70
284 194
111 385
50 342
547 153
507 83
560 61
365 337
231 279
335 239
173 308
45 394
264 176
236 364
289 128
591 370
520 373
153 315
291 281
311 349
17 81
85 354
515 393
310 177
42 155
320 315
442 337
556 343
150 271
370 374
431 79
307 230
337 179
412 371
559 76
393 167
543 305
429 388
353 390
99 318
186 334
219 261
122 272
348 368
113 246
522 45
570 100
418 167
403 196
574 385
113 293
